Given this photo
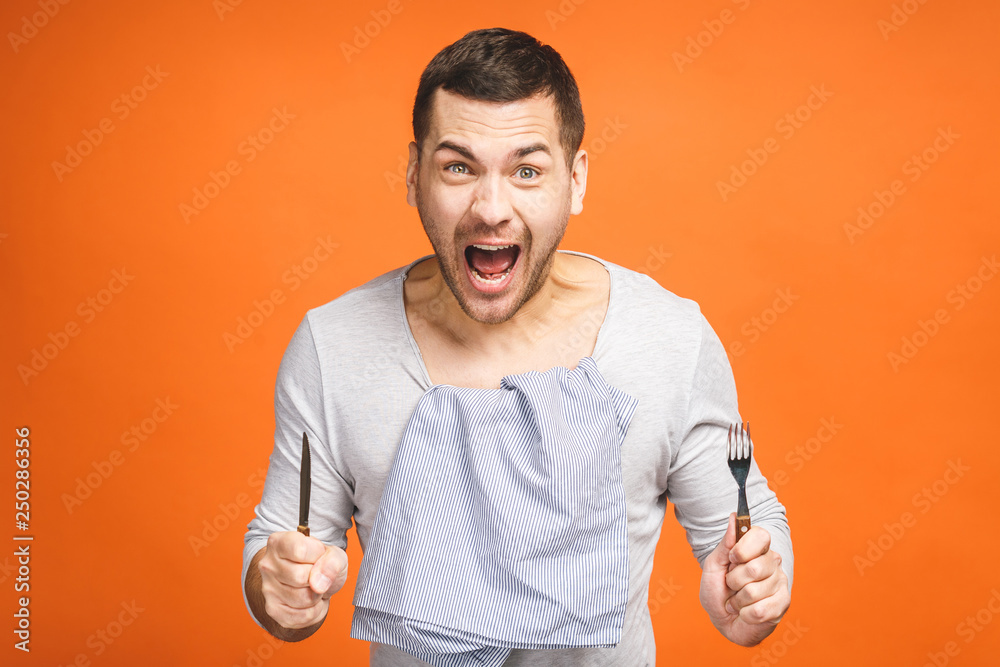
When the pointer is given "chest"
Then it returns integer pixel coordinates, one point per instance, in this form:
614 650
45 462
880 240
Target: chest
543 347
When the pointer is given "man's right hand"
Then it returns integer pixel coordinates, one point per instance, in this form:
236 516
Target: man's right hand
298 576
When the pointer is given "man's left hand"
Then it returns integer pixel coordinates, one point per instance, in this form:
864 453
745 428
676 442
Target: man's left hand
743 588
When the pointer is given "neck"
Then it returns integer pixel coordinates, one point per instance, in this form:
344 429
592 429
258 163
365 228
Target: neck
544 311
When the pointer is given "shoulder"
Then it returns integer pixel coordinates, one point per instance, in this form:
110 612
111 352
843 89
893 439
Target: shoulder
376 293
639 298
368 315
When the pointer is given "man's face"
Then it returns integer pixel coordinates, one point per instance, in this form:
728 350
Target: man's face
494 195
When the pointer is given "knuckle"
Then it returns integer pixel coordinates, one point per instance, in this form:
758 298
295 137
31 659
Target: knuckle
765 539
275 540
751 592
276 611
757 613
303 618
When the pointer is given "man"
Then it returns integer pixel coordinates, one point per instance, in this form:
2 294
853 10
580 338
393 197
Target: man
495 171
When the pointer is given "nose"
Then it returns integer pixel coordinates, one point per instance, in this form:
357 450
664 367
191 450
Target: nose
492 205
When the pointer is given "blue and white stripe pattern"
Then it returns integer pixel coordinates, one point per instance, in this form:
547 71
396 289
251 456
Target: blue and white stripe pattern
503 522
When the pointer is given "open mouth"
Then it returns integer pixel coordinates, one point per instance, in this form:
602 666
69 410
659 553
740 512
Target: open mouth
490 266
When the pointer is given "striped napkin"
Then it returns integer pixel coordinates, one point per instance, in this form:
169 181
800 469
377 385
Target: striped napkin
503 522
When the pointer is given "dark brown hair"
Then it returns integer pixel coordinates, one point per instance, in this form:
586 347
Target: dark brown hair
500 65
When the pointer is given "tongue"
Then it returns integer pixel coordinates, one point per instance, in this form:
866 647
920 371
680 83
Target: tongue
491 262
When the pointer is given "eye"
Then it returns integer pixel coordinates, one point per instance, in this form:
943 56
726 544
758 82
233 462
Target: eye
457 169
526 173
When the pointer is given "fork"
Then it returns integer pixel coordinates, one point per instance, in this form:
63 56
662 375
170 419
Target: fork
739 450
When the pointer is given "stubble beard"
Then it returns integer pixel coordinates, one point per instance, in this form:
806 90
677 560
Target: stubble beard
454 273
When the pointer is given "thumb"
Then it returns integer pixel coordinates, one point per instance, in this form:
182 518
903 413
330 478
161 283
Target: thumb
719 558
329 573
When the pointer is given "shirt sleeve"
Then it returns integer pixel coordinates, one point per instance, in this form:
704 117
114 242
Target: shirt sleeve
699 483
299 401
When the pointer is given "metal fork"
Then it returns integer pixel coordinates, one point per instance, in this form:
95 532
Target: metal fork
739 450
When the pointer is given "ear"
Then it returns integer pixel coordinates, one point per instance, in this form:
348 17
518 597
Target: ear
578 181
411 174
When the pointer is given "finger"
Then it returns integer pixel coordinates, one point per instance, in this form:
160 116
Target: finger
293 618
758 569
277 570
756 591
754 543
293 546
329 573
773 588
769 610
294 597
287 583
719 559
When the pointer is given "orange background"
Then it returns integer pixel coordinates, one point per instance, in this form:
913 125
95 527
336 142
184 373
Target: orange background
671 134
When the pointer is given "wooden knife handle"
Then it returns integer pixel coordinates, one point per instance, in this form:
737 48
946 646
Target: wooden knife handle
305 530
742 526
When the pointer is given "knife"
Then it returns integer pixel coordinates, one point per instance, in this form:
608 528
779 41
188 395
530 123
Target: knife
305 484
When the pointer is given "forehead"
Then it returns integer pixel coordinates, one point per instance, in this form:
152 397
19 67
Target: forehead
501 124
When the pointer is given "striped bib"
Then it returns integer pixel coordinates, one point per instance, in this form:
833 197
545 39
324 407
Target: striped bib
503 522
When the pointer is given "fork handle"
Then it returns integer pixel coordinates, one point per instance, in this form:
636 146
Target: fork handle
742 526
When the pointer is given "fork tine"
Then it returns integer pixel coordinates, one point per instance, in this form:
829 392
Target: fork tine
729 443
743 440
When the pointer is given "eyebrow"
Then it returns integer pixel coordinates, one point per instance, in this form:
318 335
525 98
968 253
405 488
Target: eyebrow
516 154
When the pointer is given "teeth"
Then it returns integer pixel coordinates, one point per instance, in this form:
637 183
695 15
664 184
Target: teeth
487 280
492 248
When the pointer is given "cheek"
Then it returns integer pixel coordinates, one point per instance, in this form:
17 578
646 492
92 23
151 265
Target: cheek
543 208
449 204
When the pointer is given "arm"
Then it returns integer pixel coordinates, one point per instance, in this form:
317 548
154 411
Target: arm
283 570
755 578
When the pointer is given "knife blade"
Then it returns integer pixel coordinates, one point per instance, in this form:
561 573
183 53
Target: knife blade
305 485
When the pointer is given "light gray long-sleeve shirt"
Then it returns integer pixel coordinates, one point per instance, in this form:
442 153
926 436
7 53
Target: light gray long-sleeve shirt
352 375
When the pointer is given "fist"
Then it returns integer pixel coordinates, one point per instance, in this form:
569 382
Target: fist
743 587
298 576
